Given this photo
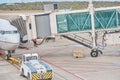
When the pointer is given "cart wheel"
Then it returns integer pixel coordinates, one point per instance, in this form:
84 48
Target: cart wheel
22 73
28 77
94 53
7 57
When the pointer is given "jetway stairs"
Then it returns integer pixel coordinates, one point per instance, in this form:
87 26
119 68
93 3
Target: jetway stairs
79 39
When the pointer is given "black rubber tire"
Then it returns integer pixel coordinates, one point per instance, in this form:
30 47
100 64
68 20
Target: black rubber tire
22 73
94 53
7 57
28 77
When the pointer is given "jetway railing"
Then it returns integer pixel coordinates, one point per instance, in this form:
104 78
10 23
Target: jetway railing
79 39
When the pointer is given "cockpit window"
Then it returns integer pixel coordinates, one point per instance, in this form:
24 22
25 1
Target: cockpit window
2 32
15 31
8 32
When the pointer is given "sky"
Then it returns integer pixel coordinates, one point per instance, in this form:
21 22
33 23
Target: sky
13 1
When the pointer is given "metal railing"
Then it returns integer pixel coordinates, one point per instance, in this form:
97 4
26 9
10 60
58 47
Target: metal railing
79 39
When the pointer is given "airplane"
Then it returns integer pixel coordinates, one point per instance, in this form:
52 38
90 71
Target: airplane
9 38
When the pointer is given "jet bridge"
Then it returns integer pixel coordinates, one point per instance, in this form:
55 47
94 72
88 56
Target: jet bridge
81 21
106 20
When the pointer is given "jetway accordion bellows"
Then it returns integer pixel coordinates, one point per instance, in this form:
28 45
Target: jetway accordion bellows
18 22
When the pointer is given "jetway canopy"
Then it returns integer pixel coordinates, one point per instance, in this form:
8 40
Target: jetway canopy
81 21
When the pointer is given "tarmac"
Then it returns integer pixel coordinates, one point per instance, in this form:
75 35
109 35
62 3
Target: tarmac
9 72
65 66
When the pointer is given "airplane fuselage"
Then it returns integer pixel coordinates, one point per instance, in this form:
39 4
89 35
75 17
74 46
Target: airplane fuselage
9 36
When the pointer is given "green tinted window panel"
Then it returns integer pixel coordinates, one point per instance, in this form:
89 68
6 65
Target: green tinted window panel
73 22
119 18
105 19
82 21
62 23
78 21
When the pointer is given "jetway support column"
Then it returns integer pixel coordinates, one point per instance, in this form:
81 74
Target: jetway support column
95 50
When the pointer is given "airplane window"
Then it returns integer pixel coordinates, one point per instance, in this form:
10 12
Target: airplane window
2 32
15 31
8 32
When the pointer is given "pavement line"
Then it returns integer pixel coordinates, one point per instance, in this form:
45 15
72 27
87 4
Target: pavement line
64 69
60 77
80 76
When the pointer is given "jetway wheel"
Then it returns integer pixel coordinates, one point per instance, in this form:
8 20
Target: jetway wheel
94 53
